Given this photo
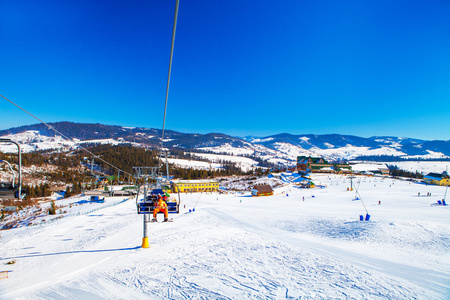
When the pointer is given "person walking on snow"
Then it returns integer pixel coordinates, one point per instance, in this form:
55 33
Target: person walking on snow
161 206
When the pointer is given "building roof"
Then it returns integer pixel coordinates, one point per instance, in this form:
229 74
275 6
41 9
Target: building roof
436 176
304 159
263 188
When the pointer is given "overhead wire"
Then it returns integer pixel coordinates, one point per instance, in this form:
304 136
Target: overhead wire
197 201
64 136
360 198
174 29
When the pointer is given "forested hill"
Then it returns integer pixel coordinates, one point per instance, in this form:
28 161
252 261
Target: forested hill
147 136
280 146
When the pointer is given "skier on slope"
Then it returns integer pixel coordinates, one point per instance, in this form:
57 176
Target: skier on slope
161 206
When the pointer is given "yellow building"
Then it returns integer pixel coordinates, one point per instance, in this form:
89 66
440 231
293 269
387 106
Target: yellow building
436 178
194 186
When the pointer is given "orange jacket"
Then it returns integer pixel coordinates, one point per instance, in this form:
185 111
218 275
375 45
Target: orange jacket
161 204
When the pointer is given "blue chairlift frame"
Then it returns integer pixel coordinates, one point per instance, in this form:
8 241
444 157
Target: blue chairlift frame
148 205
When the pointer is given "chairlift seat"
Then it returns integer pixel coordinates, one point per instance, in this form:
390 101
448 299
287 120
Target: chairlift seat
147 206
8 191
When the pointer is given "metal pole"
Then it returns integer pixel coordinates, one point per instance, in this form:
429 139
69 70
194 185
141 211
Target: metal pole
145 243
146 221
445 195
167 167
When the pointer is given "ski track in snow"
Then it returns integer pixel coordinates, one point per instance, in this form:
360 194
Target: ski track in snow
389 268
239 247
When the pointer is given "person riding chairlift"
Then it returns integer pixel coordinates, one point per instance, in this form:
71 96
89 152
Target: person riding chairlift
161 206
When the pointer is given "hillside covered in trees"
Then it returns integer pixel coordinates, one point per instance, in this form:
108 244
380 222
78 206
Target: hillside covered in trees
125 157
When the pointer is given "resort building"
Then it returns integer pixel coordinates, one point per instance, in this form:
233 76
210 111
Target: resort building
262 190
310 164
437 179
195 186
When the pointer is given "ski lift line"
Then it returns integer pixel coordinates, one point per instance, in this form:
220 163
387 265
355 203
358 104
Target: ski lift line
170 70
357 192
62 135
445 195
197 201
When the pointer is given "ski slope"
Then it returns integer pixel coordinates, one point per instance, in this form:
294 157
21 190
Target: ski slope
235 246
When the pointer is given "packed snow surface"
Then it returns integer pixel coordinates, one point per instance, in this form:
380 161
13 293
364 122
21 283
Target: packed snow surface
215 162
296 244
185 163
424 167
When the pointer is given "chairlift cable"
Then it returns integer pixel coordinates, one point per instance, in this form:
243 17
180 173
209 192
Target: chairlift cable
168 76
197 200
357 192
445 195
64 136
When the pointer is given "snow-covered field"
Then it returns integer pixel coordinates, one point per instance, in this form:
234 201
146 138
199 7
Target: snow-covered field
424 167
32 140
215 162
297 244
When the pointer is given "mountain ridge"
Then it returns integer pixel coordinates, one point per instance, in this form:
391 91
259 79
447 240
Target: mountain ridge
284 146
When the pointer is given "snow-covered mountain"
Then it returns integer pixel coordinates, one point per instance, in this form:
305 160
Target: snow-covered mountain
336 146
281 148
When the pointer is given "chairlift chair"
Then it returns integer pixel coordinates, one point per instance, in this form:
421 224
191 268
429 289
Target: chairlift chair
9 191
148 204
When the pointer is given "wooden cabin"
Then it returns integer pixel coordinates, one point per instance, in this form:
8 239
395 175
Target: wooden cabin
262 190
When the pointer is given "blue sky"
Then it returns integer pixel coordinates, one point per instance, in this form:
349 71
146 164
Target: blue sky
240 67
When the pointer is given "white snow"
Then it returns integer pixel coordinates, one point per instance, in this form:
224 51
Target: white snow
257 140
195 164
289 151
32 141
244 162
305 139
227 148
234 246
368 167
430 155
102 141
424 167
214 162
351 152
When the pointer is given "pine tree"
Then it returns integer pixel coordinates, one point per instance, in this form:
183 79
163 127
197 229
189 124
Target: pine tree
37 190
52 209
68 192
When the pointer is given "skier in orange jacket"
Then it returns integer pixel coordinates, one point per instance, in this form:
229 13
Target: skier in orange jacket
161 206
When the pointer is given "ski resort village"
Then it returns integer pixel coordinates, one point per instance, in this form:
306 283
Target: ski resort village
302 155
113 218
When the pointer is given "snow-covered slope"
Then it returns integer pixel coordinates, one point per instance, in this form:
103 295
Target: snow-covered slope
423 167
297 244
33 141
